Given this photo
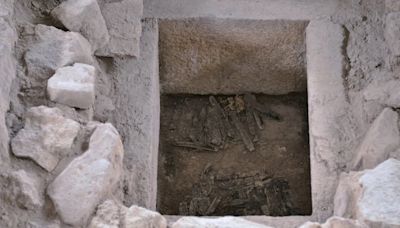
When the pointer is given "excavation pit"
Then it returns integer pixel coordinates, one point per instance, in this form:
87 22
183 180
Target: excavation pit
224 155
234 124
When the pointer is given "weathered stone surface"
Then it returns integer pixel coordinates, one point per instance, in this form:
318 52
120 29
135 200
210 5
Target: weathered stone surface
257 10
335 222
124 26
382 138
103 107
380 198
332 129
371 196
73 86
139 217
7 74
347 193
392 33
27 190
392 5
223 222
7 8
395 154
46 135
385 93
89 178
109 214
137 77
7 62
84 16
21 189
79 115
55 48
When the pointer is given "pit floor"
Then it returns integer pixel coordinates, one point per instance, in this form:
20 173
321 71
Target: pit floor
212 163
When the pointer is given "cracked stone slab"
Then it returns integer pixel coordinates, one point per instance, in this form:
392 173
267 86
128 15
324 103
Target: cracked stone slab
84 16
89 178
73 86
55 48
47 134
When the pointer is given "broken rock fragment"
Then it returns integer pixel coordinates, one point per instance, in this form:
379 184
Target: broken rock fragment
84 16
73 86
21 188
46 135
89 178
109 214
382 138
224 222
384 93
371 196
139 217
55 48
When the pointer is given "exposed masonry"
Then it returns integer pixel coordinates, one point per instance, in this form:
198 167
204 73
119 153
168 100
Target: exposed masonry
51 138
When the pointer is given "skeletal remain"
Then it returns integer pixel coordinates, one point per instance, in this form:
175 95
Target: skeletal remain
213 134
239 103
250 122
242 131
174 119
227 126
206 169
252 102
199 205
184 208
197 146
213 206
258 120
265 209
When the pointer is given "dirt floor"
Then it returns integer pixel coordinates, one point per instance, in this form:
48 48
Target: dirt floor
234 155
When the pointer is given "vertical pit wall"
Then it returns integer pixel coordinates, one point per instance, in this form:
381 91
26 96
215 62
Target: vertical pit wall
136 116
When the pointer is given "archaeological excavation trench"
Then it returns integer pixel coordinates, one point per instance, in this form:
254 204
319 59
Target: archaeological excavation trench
200 114
234 123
